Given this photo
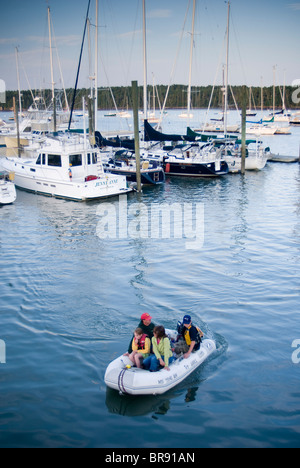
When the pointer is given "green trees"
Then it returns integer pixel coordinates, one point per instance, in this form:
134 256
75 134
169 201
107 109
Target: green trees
177 97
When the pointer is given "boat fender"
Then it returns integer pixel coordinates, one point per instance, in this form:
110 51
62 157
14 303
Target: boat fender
168 167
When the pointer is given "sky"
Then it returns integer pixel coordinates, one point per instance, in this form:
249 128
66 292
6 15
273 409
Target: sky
264 42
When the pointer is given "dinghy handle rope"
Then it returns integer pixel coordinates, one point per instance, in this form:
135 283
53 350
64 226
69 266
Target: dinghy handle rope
121 381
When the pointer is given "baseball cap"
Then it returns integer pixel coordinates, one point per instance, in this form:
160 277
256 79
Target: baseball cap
187 319
146 317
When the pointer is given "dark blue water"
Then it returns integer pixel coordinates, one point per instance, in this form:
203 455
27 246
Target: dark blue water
69 302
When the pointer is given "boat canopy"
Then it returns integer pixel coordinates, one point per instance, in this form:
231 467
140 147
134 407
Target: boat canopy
153 135
114 143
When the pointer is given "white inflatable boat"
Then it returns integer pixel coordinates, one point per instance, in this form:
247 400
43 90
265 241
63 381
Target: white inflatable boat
133 381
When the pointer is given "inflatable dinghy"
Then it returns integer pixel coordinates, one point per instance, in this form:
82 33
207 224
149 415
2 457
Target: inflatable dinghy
133 381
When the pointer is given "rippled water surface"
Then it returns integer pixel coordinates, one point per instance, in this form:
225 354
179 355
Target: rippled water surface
69 302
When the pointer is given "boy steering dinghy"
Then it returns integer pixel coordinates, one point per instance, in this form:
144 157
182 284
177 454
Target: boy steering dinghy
122 377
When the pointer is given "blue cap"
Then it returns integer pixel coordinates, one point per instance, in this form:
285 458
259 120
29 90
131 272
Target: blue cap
187 319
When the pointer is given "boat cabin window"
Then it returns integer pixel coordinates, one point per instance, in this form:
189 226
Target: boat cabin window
75 160
92 158
54 160
41 159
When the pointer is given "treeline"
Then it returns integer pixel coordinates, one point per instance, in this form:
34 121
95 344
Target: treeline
121 97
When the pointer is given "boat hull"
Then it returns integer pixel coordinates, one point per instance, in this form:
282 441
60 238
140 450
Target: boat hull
151 177
134 381
194 169
29 178
252 163
8 194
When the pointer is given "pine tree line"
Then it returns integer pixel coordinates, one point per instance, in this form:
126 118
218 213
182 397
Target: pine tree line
177 97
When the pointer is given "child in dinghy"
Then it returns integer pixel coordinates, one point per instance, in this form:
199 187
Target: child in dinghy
140 348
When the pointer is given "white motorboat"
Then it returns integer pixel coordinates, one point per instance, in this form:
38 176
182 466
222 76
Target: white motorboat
8 194
256 157
122 377
67 167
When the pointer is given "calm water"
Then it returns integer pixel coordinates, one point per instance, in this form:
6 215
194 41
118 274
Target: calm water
69 302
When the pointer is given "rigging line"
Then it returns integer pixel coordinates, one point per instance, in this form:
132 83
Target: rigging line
60 69
26 76
214 85
80 58
174 65
237 42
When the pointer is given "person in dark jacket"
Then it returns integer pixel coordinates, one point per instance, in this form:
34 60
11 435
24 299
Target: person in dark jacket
191 337
147 326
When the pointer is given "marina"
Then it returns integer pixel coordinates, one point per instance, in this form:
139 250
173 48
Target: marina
240 287
185 219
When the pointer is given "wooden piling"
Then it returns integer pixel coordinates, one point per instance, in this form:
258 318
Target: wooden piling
244 111
16 113
134 85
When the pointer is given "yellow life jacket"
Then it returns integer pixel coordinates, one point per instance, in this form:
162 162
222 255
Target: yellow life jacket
188 338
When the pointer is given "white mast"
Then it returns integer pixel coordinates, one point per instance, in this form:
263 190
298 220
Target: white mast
19 88
145 62
96 66
191 65
226 75
51 56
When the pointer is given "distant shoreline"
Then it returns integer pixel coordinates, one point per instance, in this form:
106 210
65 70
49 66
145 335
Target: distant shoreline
177 98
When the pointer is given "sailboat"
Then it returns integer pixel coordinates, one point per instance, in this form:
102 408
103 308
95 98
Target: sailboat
39 120
221 125
250 112
188 115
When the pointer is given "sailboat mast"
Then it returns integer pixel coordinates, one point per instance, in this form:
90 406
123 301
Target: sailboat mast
51 55
191 65
145 61
52 74
227 73
96 66
18 78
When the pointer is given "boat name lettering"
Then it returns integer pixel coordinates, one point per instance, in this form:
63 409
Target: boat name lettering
169 379
106 182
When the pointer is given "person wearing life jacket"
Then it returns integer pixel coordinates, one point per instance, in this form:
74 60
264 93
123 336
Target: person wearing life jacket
140 348
191 337
147 326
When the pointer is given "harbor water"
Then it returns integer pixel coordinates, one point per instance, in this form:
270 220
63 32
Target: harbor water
71 298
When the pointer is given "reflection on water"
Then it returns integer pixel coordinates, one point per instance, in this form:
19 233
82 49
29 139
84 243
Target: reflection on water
69 302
